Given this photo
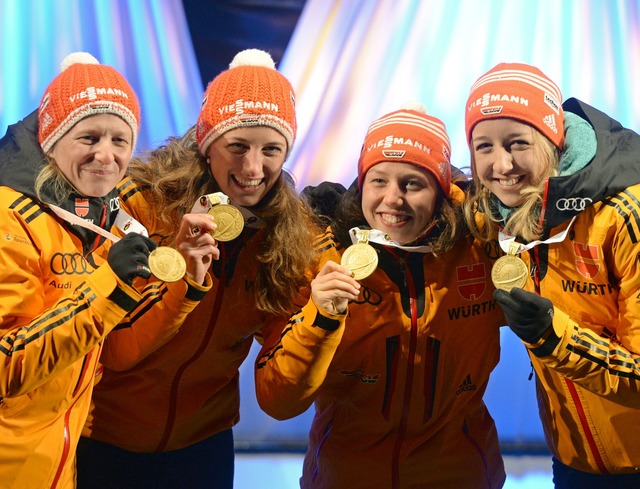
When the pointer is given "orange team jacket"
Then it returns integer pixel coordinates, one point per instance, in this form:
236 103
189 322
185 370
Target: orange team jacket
57 305
187 390
398 385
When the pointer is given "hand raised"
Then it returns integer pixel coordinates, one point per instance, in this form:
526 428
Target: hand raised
333 287
196 244
129 257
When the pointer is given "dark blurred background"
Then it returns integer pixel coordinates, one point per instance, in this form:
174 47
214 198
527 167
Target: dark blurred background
221 28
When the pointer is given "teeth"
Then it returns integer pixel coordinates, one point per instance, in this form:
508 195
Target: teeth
248 183
509 183
393 219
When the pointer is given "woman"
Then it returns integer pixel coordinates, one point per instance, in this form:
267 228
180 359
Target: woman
560 183
167 421
398 362
63 286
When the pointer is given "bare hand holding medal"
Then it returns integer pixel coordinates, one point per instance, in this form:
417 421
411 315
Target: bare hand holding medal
333 288
228 219
196 244
194 251
229 222
361 258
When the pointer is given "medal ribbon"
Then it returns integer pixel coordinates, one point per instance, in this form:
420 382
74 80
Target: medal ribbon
206 202
510 246
169 263
376 236
124 222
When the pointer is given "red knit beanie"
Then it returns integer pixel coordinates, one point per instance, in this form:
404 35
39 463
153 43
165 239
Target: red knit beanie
408 135
517 91
82 89
250 93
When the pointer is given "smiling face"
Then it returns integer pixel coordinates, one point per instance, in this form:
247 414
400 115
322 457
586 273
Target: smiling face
247 161
507 159
94 154
399 199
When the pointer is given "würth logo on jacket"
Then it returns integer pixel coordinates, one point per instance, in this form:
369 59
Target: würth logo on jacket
472 284
82 207
472 281
587 259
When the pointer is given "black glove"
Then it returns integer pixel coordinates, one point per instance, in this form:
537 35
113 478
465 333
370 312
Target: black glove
324 198
129 257
527 314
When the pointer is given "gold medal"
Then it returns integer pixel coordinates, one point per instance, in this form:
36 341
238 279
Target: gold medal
229 222
167 264
361 258
509 271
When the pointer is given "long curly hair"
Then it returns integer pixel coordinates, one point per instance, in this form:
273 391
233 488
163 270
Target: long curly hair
175 175
523 222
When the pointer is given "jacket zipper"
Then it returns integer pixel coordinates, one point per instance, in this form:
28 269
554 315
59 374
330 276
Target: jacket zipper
173 396
586 427
65 449
402 427
66 430
85 367
474 443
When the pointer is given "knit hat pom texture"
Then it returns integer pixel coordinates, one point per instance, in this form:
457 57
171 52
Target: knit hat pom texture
84 88
250 93
408 135
521 92
252 57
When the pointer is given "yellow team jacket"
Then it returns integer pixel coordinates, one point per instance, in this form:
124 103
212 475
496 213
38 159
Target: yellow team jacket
398 385
57 305
588 368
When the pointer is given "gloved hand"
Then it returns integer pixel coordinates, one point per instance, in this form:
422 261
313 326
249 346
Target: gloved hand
324 198
527 314
129 257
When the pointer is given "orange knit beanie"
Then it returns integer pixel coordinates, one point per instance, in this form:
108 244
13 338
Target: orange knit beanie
250 93
82 89
408 135
517 91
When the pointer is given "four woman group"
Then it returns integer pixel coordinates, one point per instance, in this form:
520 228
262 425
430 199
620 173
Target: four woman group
387 320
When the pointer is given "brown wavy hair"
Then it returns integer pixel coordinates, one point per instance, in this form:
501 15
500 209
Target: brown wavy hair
524 220
176 175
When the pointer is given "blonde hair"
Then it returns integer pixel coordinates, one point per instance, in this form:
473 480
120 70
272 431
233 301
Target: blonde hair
175 175
524 221
50 185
